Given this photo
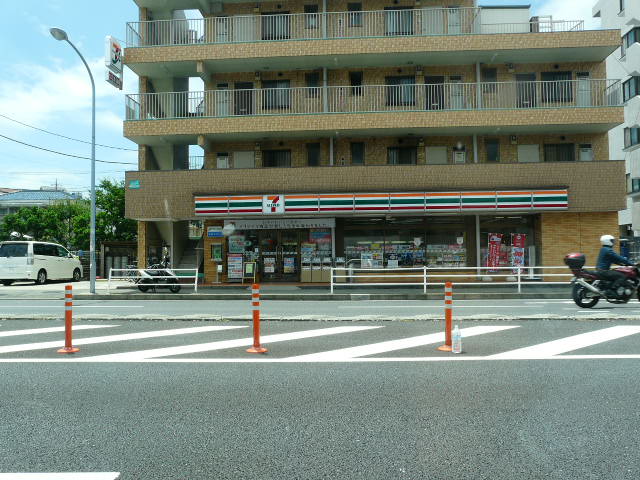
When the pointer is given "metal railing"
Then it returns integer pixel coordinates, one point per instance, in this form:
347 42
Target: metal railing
196 162
331 25
429 276
136 274
375 98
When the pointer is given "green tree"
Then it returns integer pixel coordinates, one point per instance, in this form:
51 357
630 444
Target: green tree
111 225
68 222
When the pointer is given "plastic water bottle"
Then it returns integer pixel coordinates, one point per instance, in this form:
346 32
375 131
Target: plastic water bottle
456 341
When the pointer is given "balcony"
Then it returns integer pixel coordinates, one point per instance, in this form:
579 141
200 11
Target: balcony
578 102
331 25
326 38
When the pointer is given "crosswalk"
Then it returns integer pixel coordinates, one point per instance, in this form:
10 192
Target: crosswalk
316 343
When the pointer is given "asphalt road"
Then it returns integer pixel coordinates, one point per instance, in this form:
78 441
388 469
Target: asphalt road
569 416
309 310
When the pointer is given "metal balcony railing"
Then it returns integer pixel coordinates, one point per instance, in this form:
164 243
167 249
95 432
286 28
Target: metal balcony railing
375 98
331 25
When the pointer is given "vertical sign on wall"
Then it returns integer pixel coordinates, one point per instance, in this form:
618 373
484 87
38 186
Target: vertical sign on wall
518 242
493 254
113 62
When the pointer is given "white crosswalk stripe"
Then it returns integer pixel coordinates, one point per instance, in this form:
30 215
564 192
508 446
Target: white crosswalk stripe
391 345
116 338
568 344
61 476
32 331
221 345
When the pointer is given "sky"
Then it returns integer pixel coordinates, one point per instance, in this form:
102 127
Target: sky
45 85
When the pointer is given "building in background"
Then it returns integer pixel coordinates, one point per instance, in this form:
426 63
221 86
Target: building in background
381 134
624 63
12 202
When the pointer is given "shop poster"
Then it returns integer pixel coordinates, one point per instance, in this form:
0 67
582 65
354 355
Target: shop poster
289 265
269 265
493 256
366 260
236 243
518 242
234 266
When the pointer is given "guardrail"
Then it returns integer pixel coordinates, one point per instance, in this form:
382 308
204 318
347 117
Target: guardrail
518 276
134 275
333 25
375 99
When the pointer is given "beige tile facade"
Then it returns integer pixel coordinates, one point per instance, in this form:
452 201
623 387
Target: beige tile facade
596 188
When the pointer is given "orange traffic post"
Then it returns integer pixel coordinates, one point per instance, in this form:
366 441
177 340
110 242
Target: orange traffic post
448 316
68 321
255 303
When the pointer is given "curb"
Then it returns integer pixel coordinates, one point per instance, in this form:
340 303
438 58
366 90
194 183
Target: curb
318 296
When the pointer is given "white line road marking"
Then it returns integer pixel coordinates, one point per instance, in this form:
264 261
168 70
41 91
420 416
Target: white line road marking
115 338
31 331
61 476
452 358
568 344
391 345
75 306
220 345
440 307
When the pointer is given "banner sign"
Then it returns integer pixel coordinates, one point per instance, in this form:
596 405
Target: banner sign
518 243
282 223
367 203
493 254
113 62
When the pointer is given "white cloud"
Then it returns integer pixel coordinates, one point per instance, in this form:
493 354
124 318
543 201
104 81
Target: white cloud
569 10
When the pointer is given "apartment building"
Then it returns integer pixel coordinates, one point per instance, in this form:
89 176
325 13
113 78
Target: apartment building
624 63
382 133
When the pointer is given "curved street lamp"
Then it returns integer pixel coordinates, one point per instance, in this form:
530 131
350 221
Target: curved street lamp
61 35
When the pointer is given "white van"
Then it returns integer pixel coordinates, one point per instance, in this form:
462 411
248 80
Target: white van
37 261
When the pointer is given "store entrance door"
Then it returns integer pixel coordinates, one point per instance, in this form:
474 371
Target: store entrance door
280 255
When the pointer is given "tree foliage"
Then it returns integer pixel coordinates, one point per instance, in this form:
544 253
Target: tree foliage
68 222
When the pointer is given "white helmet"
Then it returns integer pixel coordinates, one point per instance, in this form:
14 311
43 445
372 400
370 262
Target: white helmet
607 240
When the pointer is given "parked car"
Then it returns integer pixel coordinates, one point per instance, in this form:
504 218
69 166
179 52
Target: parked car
37 261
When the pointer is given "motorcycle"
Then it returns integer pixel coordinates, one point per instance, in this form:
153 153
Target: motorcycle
589 287
158 276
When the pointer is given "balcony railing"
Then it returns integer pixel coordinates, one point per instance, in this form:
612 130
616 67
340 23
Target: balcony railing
331 25
375 98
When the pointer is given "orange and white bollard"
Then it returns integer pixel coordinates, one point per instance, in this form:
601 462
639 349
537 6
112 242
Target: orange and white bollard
68 321
255 303
448 316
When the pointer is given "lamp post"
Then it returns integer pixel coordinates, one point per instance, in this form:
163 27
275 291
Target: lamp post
61 35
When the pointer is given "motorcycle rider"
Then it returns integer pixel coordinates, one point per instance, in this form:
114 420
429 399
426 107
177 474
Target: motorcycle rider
606 257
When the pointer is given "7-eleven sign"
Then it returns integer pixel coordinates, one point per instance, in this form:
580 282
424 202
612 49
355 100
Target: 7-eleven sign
272 204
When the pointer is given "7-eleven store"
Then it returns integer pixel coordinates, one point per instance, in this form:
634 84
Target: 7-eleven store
298 237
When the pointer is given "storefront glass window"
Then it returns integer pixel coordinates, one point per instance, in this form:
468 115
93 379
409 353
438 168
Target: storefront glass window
513 239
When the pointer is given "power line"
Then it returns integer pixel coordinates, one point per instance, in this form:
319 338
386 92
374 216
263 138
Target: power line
64 136
61 153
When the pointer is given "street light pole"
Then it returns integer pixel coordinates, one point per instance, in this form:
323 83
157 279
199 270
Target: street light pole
60 34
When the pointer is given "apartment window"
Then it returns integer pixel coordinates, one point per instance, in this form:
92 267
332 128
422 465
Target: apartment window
492 146
631 137
276 158
635 185
631 88
355 80
276 94
490 76
558 87
312 81
222 160
311 19
631 37
399 20
357 153
402 155
355 14
313 154
401 91
560 152
276 25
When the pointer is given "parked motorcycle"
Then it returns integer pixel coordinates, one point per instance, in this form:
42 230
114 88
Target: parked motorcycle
589 287
158 276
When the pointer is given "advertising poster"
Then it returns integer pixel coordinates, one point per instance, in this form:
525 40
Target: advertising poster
269 265
518 242
289 265
234 266
493 257
366 260
236 243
